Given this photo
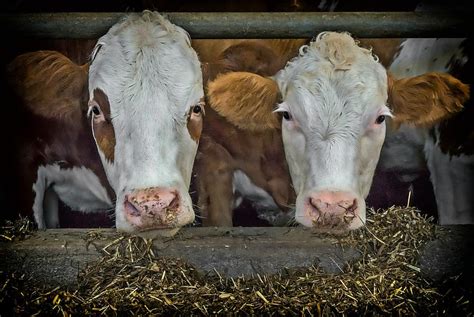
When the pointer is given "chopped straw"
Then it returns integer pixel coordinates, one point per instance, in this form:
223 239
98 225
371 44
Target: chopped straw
130 280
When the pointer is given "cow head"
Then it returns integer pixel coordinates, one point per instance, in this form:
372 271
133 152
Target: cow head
145 108
334 99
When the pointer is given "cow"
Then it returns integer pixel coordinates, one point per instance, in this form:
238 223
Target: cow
446 149
245 163
331 103
119 133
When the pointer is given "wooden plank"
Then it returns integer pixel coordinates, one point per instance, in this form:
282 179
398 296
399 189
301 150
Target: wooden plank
54 257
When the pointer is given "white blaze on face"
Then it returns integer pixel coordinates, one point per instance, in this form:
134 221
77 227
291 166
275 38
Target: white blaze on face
334 104
152 78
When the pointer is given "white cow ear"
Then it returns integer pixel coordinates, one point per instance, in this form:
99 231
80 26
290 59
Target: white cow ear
427 99
245 99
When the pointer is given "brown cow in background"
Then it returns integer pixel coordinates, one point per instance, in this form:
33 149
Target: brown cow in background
236 162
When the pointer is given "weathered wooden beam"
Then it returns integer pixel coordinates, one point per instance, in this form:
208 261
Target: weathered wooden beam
54 257
249 24
450 254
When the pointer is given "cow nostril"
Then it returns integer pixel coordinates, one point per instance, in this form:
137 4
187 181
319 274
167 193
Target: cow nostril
131 209
352 207
174 203
317 204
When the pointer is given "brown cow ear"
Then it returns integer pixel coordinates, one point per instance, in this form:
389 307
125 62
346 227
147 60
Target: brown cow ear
427 99
49 84
246 100
210 71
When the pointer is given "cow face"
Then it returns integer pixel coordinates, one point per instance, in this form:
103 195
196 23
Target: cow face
334 99
333 127
145 109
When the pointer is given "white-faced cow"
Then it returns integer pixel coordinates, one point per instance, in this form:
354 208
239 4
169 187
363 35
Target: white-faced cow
120 133
333 98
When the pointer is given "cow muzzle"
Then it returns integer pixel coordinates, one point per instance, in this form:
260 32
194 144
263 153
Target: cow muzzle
156 208
333 210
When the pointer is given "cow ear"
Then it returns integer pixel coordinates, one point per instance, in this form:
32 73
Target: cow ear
427 99
246 100
49 84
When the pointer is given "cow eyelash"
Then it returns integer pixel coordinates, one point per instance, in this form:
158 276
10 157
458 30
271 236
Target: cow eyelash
95 52
286 114
383 116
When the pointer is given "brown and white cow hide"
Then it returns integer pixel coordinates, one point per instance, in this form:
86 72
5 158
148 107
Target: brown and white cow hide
53 133
120 133
445 150
236 161
15 128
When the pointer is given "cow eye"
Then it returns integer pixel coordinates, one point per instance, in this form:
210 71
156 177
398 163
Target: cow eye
95 110
380 119
197 109
286 115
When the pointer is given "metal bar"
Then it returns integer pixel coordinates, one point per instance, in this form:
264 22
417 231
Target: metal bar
249 24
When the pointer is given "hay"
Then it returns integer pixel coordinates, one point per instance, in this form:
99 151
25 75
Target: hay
16 230
129 279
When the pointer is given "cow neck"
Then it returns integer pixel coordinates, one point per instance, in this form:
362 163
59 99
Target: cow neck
259 155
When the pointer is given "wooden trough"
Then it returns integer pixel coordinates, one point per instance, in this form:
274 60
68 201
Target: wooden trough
399 264
55 257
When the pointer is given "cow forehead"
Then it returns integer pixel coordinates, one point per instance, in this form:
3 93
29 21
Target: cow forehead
332 102
333 77
147 61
